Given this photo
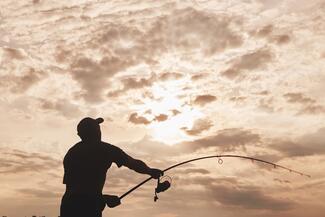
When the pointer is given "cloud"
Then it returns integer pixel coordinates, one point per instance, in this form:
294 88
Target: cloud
248 198
15 161
225 140
267 105
281 181
248 62
175 112
309 144
22 83
233 193
136 119
238 99
312 110
12 53
123 46
147 146
202 100
39 193
170 76
281 39
139 83
193 171
161 117
309 106
198 127
264 31
93 75
298 98
263 93
133 83
269 32
62 106
199 76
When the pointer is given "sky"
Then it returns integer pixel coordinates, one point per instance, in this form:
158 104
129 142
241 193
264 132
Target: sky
173 80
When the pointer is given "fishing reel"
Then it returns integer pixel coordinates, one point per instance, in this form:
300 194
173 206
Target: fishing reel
163 184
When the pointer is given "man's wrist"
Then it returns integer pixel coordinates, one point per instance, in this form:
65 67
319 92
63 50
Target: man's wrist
149 171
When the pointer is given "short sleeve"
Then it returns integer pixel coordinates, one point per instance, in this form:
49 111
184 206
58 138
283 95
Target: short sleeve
118 156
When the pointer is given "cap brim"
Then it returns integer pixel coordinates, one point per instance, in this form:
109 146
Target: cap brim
99 120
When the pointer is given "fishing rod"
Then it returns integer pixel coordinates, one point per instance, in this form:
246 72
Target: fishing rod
166 184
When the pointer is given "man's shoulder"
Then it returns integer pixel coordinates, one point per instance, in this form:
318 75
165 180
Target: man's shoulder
75 147
109 146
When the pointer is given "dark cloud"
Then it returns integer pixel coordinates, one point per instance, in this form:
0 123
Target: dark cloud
266 104
136 119
170 76
16 161
232 193
135 83
62 106
131 83
248 62
281 181
193 171
36 1
309 106
309 144
248 198
225 140
312 110
298 98
281 39
198 76
22 83
207 32
12 53
40 193
263 93
93 76
201 31
175 112
268 32
264 31
161 117
238 98
62 54
204 99
198 127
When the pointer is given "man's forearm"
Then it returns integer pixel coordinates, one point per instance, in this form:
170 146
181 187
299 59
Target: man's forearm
139 166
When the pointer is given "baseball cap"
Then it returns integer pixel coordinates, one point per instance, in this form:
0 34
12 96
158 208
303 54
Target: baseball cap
88 124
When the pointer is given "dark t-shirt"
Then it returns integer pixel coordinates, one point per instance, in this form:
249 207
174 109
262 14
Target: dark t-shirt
86 164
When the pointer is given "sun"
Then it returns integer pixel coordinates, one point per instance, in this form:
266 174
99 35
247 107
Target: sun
170 131
180 115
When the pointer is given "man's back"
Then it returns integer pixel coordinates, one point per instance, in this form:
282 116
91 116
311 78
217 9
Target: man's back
86 165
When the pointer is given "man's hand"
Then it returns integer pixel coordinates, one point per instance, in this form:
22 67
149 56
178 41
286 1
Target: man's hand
155 173
112 200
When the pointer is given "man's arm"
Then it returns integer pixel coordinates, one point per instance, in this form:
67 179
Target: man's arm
140 167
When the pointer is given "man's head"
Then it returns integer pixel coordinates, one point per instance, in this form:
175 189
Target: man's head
89 129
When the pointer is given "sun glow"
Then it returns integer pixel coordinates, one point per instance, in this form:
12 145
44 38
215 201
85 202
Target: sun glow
170 131
179 114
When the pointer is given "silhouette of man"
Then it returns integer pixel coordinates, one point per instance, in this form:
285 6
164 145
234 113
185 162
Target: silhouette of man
85 167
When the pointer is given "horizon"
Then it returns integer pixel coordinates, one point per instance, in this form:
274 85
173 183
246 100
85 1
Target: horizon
173 80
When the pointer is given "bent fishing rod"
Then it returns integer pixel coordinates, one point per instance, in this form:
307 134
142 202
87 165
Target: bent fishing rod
166 184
